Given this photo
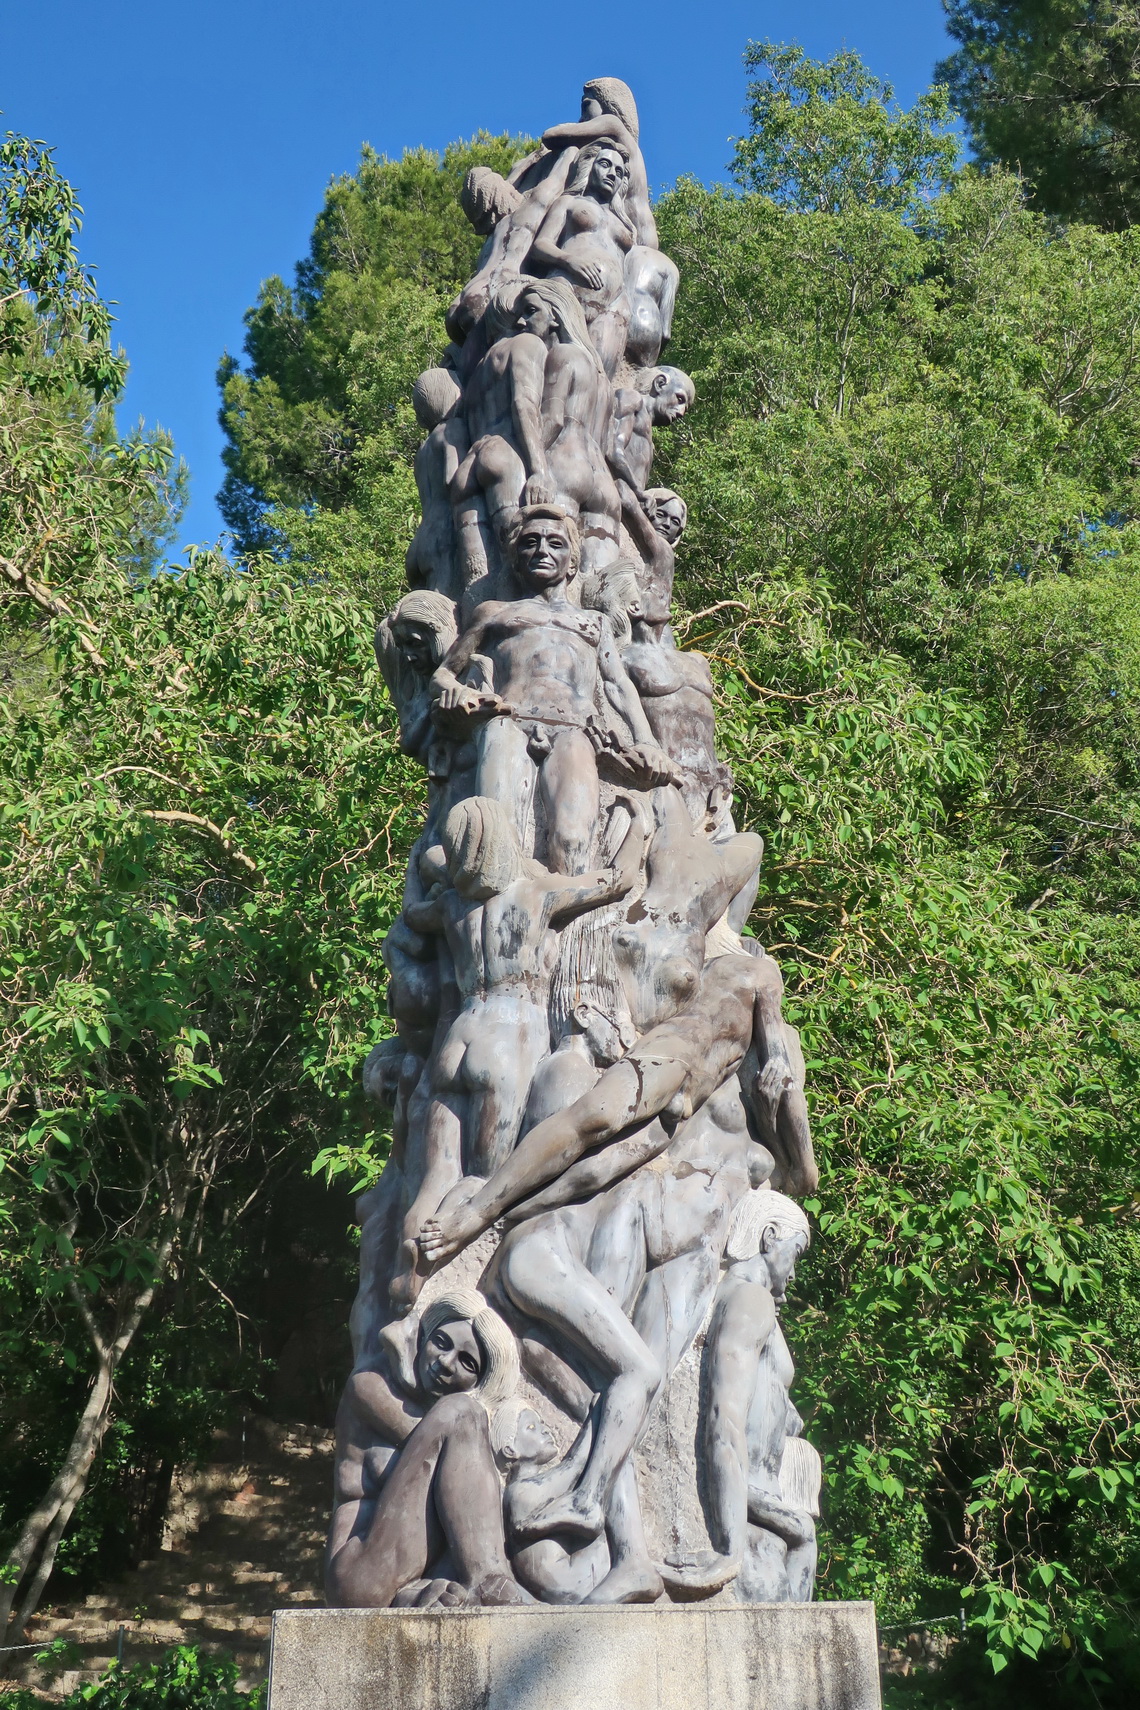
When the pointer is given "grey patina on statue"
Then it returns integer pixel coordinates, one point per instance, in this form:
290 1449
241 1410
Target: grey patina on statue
584 1232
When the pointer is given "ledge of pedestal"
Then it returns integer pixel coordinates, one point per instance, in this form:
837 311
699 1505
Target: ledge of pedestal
771 1656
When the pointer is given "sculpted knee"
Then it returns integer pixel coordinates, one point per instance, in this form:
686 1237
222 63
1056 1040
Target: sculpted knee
460 1416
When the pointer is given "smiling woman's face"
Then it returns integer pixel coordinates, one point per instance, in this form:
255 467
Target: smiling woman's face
450 1359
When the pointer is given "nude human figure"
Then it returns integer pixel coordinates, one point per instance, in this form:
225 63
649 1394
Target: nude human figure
585 237
506 463
430 559
536 728
549 1567
418 1513
659 397
668 1074
609 111
747 1423
627 1276
500 914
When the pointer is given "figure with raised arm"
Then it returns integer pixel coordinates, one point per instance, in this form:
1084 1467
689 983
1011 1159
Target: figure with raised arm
760 1513
500 914
541 727
418 1520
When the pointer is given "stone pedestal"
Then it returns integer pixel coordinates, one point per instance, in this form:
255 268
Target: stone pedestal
773 1656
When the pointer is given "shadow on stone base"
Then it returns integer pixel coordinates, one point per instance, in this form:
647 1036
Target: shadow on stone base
774 1656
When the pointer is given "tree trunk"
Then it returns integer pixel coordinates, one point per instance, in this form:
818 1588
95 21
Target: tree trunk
45 1526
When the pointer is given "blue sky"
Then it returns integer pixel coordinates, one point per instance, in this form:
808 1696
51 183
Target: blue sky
201 136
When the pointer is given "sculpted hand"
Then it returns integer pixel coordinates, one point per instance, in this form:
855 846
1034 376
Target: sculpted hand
538 491
772 1083
655 765
588 274
458 699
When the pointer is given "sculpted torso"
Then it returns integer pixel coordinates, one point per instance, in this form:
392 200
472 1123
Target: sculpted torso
589 235
544 655
499 946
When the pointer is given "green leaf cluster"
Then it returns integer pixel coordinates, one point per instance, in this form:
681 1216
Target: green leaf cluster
1049 88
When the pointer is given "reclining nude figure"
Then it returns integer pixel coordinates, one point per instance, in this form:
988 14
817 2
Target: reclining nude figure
669 1073
499 914
418 1503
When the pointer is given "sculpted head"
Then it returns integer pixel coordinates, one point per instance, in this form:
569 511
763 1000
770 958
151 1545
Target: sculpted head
616 590
519 1437
464 1346
601 172
670 513
610 95
549 309
775 1227
434 396
486 198
484 855
669 390
422 628
543 547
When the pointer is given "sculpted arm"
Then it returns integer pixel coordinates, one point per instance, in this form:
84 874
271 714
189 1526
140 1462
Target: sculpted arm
575 894
449 692
528 366
378 1405
595 1173
620 691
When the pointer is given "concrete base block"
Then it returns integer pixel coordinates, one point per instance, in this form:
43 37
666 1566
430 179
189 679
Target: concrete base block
772 1656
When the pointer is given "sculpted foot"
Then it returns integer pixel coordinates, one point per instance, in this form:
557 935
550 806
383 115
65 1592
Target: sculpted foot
433 1594
498 1589
443 1235
628 1582
576 1514
699 1571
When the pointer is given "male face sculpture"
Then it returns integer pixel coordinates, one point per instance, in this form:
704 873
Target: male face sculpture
670 396
542 555
450 1360
781 1253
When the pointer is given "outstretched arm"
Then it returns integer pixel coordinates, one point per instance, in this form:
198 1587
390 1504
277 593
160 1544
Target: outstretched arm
578 132
575 894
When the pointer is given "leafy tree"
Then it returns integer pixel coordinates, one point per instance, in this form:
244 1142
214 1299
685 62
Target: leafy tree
1050 87
320 422
198 800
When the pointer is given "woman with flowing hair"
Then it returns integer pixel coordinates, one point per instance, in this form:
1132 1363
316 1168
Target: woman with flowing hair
585 239
418 1519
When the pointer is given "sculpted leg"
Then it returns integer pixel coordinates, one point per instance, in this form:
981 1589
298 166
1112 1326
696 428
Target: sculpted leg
568 792
506 772
544 1277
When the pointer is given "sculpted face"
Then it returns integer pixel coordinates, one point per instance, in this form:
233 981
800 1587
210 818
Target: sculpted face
670 398
607 175
450 1360
669 520
532 1441
536 316
416 644
781 1252
542 554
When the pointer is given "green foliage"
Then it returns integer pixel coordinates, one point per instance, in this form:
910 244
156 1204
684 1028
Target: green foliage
910 472
319 424
1049 87
828 135
184 1678
203 813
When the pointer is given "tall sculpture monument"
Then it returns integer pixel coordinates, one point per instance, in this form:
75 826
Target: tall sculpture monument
571 1382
